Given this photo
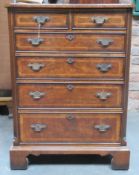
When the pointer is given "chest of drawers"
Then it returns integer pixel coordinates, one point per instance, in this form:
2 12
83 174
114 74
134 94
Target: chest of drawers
70 68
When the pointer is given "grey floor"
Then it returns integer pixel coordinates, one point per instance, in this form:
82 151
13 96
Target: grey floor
72 168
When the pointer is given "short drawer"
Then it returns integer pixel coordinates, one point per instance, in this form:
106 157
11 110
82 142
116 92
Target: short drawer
44 20
70 67
70 128
70 95
71 42
99 20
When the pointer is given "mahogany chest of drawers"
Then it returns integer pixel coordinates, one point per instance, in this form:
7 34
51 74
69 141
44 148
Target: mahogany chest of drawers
70 69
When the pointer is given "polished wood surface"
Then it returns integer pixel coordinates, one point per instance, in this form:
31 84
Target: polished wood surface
79 20
19 154
68 41
69 67
70 128
87 20
121 5
70 95
70 80
55 20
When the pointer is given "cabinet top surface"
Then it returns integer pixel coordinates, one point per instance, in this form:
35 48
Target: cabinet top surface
68 6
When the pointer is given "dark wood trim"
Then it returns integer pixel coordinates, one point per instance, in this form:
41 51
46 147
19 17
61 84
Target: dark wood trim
127 69
69 6
61 32
18 154
70 110
56 54
51 81
13 76
66 144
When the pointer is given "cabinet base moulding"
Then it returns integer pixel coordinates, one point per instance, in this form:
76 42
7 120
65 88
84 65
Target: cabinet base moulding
19 154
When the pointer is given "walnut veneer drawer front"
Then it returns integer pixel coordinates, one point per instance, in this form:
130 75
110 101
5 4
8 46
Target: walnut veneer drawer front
99 20
70 42
70 95
70 127
67 67
45 20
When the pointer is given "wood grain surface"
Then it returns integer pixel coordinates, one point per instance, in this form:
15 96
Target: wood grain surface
69 67
62 128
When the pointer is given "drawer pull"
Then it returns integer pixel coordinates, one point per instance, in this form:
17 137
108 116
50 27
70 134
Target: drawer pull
36 95
70 37
70 87
70 117
35 41
70 60
36 66
99 20
38 127
41 19
103 95
104 67
105 42
102 128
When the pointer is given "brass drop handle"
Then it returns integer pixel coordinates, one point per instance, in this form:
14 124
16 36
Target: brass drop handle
104 67
36 66
70 117
38 127
70 60
102 128
36 95
104 42
103 95
35 41
41 19
99 20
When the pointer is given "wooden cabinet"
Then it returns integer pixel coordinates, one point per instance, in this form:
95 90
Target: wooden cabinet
70 69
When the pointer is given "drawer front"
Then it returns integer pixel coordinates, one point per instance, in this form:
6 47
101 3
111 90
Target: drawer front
99 20
44 20
70 127
70 67
70 42
70 95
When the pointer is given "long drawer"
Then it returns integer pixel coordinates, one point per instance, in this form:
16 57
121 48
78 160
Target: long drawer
70 67
47 20
70 95
71 42
70 127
